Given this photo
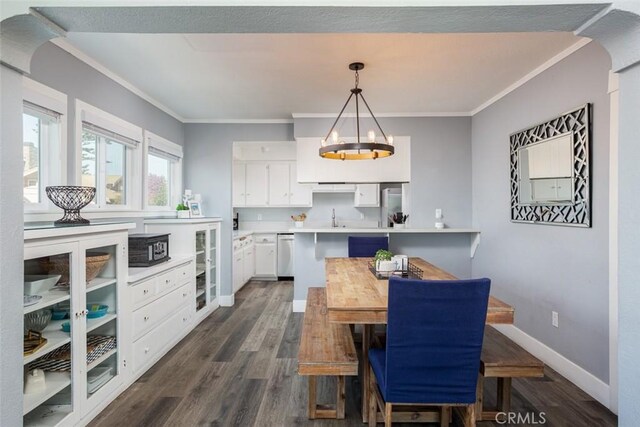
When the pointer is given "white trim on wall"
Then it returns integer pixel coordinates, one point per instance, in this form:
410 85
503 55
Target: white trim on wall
582 378
227 300
299 305
240 121
613 242
74 51
378 115
532 74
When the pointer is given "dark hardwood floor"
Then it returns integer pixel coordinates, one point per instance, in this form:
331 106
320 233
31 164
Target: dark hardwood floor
238 368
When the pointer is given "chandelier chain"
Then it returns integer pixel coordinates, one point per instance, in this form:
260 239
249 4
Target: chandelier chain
357 79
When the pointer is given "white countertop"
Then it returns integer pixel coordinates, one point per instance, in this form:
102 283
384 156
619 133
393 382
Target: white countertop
139 273
182 220
46 230
338 230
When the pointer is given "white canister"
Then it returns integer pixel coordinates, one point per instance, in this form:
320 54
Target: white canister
401 262
299 224
439 225
385 265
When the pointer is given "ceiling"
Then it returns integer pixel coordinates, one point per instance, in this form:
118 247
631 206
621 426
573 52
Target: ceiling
270 76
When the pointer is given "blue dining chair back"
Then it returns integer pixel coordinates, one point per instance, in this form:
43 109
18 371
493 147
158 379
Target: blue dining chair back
366 246
434 341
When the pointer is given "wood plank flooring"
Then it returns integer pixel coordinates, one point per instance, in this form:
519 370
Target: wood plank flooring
238 368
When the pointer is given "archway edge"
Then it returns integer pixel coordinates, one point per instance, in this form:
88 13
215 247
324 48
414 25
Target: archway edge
615 25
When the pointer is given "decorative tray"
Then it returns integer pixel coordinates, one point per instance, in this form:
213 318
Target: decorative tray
412 272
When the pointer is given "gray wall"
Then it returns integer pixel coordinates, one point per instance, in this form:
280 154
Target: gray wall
62 71
629 247
11 236
440 163
539 268
208 160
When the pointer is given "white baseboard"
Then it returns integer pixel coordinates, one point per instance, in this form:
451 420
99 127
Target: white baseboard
227 300
299 305
585 380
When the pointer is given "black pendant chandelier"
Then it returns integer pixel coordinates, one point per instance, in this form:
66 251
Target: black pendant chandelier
372 148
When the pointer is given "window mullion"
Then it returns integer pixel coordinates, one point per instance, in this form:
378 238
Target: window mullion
101 176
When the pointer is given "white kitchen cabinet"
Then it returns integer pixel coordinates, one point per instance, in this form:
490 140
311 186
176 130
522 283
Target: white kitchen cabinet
279 184
269 184
256 184
299 194
243 262
367 195
238 184
248 263
266 256
70 395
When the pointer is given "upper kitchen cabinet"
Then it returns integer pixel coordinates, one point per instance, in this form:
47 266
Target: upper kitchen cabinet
313 168
261 184
367 196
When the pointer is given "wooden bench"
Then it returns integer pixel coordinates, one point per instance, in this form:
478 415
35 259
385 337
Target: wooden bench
503 359
325 349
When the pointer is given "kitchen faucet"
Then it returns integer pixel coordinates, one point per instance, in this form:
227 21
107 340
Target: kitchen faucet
333 218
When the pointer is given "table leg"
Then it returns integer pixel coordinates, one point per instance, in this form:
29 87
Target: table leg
366 337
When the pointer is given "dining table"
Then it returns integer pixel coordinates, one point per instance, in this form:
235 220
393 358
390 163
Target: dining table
356 295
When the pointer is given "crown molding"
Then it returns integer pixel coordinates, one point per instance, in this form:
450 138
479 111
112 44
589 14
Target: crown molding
65 45
240 121
419 114
535 72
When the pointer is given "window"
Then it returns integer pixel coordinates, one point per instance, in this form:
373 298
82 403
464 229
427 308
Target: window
108 159
164 173
40 143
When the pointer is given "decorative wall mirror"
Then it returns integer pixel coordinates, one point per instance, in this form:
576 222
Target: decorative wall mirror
550 182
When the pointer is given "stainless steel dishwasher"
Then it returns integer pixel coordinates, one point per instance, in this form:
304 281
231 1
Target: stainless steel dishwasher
285 255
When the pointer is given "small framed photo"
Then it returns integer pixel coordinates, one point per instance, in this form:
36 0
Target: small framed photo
195 209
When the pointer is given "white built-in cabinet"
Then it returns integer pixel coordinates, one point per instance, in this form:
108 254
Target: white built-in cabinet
367 195
199 237
264 184
80 376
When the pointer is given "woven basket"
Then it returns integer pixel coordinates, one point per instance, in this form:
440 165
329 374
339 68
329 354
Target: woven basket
59 264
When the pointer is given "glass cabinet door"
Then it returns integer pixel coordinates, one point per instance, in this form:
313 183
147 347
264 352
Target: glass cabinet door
201 269
101 368
213 277
49 346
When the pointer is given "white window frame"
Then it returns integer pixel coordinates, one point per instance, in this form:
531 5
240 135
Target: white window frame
88 113
52 158
175 171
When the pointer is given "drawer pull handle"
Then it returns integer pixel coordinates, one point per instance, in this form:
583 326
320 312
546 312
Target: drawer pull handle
146 350
146 291
184 319
146 318
184 294
168 280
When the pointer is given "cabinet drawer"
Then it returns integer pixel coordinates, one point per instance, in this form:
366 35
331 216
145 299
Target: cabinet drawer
166 281
144 291
184 273
147 348
151 315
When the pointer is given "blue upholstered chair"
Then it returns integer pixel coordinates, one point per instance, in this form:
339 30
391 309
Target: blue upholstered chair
434 341
360 247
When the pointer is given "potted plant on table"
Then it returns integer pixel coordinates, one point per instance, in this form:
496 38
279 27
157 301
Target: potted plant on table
384 261
183 211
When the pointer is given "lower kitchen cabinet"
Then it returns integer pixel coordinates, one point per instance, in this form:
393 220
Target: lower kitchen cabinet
243 261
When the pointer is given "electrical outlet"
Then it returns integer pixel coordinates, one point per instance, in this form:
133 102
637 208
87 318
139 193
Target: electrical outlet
438 213
554 318
259 217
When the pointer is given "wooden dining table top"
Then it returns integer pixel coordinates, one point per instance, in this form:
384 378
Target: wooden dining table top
356 296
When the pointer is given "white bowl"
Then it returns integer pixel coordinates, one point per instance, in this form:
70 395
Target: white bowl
38 284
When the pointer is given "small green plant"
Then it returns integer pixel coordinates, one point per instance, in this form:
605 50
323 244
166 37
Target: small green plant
383 255
182 207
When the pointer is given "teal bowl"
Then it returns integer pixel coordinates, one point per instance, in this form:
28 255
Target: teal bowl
66 327
96 310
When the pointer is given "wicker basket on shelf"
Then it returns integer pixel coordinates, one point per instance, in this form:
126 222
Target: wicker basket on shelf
59 264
